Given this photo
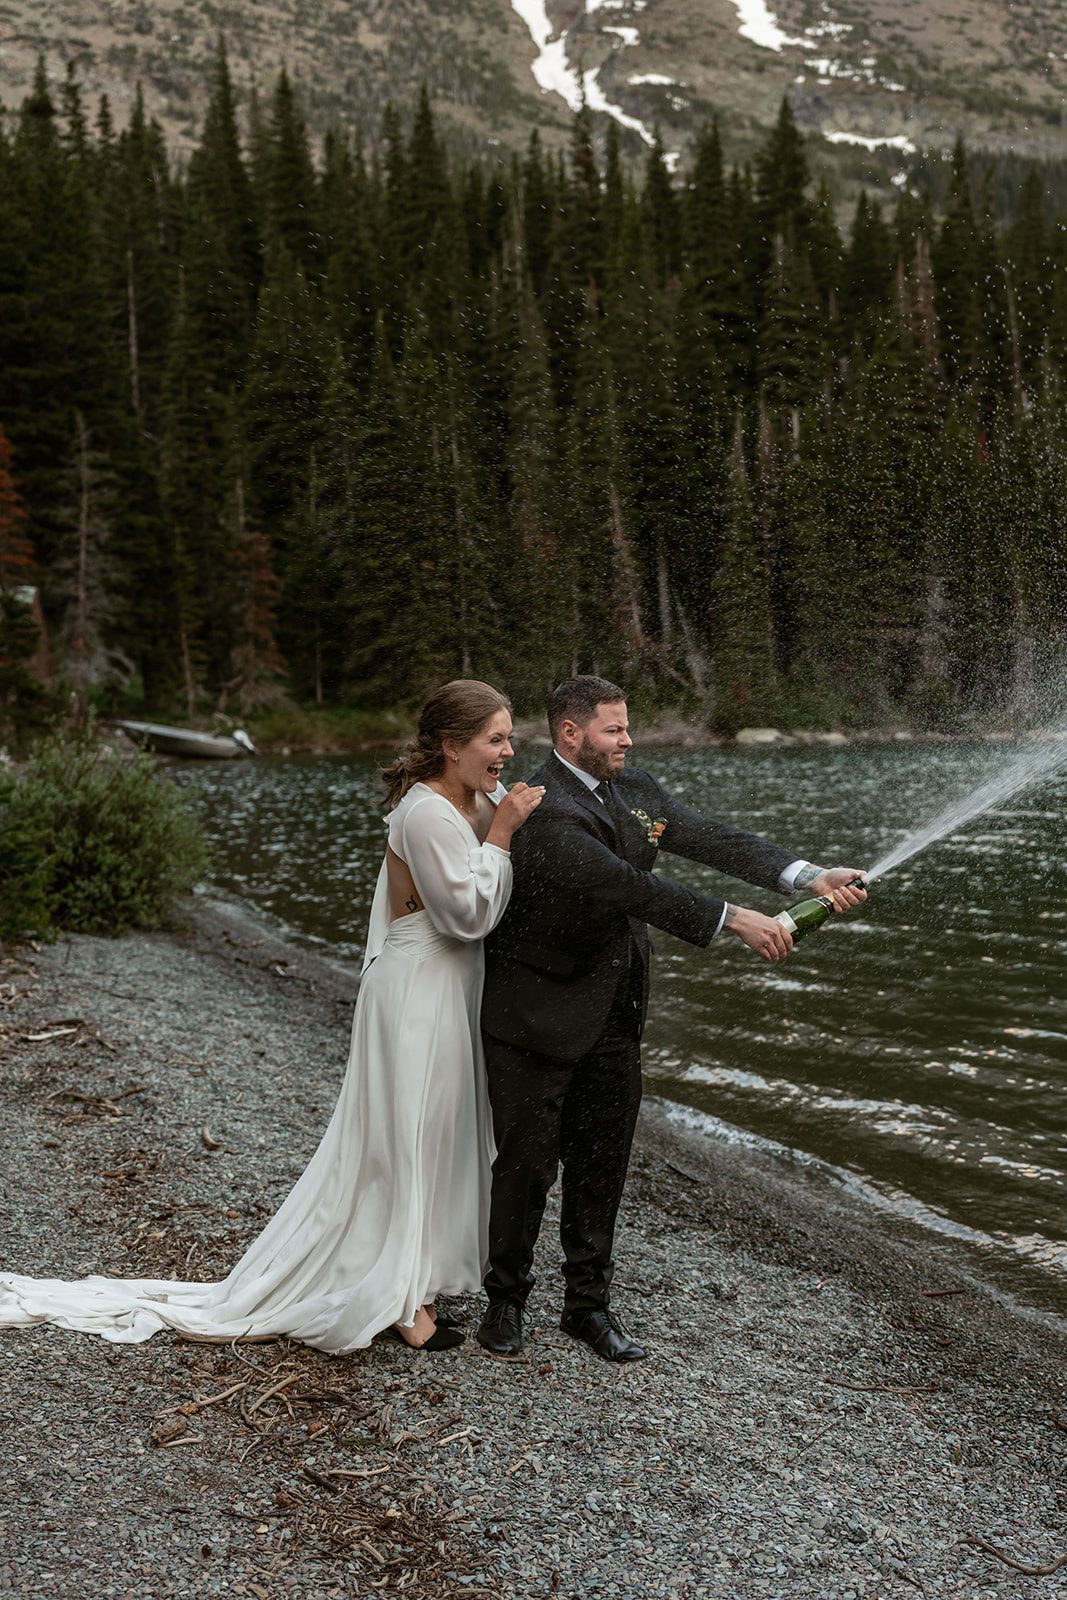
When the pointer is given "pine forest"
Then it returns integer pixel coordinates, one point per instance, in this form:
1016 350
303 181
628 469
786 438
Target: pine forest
335 425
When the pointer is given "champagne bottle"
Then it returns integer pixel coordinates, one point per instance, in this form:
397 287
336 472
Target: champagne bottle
807 915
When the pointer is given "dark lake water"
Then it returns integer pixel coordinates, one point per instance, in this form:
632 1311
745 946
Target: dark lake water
916 1051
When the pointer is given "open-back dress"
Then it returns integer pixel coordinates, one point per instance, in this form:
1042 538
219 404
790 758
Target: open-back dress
392 1208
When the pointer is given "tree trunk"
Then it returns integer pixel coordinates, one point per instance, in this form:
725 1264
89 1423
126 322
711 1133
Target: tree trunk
81 591
694 656
462 532
131 328
628 605
188 682
663 590
933 664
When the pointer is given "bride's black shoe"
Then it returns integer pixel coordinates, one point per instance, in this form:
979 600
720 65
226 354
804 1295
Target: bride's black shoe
443 1338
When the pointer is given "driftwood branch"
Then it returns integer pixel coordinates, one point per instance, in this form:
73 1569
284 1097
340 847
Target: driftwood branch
883 1388
813 1440
1009 1561
322 1480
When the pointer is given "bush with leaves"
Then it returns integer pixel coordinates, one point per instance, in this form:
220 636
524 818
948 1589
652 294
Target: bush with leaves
92 843
26 706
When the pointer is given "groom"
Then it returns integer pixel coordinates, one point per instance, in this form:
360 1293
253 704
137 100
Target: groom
566 993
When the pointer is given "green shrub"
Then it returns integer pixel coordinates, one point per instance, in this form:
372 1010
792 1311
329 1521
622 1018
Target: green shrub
333 728
92 844
23 870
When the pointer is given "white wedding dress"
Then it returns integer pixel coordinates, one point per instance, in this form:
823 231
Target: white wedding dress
393 1207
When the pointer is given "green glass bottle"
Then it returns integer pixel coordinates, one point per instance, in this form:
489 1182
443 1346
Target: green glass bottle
807 915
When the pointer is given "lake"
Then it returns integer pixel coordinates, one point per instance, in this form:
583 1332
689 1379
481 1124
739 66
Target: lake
916 1050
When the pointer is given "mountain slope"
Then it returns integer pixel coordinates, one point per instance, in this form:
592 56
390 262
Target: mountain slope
889 74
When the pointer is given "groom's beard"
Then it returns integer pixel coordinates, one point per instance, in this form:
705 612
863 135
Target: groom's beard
601 764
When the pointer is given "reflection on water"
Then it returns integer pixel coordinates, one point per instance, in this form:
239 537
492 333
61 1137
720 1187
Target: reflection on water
919 1048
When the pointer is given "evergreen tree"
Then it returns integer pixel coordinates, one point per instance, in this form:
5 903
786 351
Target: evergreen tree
713 291
221 244
790 361
18 565
351 286
958 275
816 662
87 589
742 644
139 243
537 212
283 397
320 600
1027 252
540 572
292 219
781 201
189 458
867 272
255 663
425 198
383 556
26 705
53 323
659 213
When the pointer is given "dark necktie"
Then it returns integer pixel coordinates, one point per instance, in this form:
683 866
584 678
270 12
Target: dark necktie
606 790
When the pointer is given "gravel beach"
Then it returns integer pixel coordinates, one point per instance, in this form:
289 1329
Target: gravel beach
833 1409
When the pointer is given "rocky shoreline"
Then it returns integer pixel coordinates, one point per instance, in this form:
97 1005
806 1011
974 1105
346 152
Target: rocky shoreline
677 732
831 1411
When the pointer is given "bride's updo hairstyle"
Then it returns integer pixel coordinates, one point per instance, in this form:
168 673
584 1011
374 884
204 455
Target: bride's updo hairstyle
456 711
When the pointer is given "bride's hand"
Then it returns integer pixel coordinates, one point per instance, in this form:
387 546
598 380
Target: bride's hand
511 813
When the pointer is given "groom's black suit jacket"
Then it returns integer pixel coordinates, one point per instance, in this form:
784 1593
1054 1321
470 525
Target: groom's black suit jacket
583 893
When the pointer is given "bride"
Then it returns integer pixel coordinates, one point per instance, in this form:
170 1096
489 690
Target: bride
392 1208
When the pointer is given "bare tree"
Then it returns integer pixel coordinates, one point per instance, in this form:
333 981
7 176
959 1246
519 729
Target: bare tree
88 578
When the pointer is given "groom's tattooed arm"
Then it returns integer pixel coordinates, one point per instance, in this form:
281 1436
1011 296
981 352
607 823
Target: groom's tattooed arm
805 876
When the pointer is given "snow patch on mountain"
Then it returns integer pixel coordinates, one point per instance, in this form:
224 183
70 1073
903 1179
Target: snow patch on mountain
892 141
555 75
759 24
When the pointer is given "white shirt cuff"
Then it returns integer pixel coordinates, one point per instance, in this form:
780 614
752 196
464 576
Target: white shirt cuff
722 919
787 881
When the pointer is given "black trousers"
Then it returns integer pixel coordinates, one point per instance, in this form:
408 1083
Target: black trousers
582 1113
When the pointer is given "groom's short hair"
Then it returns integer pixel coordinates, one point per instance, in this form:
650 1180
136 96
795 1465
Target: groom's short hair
576 700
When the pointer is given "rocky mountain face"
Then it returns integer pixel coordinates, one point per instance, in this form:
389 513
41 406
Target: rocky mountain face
877 79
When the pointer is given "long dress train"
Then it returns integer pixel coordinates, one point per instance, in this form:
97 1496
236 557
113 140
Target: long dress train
392 1208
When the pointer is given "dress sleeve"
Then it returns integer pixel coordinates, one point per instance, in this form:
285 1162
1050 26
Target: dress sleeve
464 886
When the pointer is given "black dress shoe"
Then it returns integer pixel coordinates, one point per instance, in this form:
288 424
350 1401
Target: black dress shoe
501 1330
604 1335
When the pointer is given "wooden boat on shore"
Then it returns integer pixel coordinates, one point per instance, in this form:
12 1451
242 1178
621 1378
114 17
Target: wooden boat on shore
186 742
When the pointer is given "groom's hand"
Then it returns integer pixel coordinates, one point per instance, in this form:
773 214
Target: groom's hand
763 934
835 881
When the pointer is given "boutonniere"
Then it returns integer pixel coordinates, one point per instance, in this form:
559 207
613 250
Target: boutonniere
653 826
